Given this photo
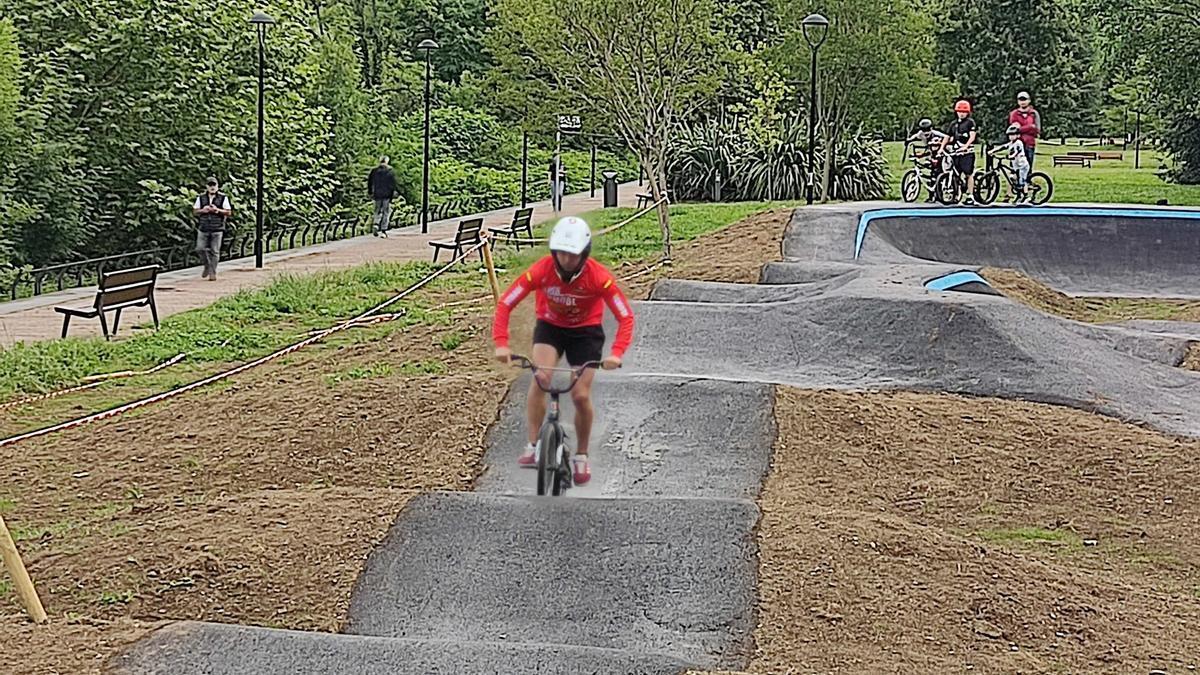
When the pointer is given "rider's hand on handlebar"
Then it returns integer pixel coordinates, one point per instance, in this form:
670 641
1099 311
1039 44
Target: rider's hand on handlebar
611 363
504 355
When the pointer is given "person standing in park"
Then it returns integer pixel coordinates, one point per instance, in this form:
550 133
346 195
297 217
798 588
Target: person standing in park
381 186
211 209
962 135
1030 123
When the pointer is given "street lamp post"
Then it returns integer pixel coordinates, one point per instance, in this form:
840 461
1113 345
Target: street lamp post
816 28
525 158
427 46
261 21
1137 141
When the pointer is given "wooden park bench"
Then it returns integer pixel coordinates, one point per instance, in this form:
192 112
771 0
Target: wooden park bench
645 199
116 291
1086 154
1072 160
470 233
1116 156
518 233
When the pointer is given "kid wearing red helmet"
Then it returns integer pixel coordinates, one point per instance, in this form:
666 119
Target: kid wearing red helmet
963 133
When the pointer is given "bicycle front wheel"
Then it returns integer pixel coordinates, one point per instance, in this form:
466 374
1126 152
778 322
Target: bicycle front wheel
549 442
910 186
946 189
1040 188
987 187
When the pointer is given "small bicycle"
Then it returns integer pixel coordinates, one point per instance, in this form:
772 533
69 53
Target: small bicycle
553 456
923 173
1038 188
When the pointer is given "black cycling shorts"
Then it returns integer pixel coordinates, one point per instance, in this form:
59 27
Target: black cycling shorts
965 164
581 345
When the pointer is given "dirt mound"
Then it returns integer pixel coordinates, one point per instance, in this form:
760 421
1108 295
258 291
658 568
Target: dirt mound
933 532
1035 294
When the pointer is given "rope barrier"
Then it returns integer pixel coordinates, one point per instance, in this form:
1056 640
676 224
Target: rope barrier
113 412
91 382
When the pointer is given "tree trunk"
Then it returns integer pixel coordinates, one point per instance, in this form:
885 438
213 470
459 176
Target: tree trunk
654 160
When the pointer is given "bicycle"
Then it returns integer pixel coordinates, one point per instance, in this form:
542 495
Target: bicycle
554 467
922 174
1038 187
951 184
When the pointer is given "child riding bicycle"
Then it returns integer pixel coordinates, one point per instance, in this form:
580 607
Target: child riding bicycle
1015 149
927 143
571 291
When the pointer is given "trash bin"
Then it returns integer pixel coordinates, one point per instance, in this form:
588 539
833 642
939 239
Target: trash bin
610 189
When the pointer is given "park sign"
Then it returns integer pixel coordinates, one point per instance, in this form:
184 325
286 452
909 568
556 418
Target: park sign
570 124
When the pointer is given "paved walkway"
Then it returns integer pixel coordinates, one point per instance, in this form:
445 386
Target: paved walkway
33 319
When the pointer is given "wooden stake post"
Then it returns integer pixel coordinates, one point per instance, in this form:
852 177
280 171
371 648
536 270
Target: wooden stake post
16 569
491 269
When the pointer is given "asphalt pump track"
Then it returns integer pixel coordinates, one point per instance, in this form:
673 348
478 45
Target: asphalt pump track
652 567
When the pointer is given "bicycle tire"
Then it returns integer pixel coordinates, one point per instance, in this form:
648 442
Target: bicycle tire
1040 188
910 186
549 439
987 188
946 189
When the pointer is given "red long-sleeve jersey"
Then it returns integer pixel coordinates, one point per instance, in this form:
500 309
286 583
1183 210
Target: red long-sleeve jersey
574 305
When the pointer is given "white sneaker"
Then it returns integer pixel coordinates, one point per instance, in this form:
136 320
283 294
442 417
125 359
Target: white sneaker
528 459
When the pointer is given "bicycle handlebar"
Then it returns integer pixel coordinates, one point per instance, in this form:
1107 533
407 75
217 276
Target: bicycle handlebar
519 361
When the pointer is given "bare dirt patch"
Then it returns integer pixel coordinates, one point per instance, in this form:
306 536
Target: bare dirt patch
258 500
928 533
734 254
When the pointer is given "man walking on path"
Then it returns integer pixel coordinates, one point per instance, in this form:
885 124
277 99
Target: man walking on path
1030 123
381 186
211 209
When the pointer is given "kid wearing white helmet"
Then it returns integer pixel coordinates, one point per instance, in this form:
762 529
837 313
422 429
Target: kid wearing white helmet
1016 151
571 290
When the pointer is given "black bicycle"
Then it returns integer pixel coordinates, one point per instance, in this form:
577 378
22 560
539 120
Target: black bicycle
553 456
1038 187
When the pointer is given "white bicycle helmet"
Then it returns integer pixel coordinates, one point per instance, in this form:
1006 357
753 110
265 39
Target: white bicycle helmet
571 235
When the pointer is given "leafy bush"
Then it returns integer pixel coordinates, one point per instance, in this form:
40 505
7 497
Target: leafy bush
776 168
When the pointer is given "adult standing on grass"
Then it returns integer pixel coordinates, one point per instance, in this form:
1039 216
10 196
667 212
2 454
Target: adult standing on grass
1029 121
381 186
211 209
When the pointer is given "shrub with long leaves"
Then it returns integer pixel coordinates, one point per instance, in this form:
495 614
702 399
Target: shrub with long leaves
775 170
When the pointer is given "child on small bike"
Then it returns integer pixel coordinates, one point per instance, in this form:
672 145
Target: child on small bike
927 142
1015 149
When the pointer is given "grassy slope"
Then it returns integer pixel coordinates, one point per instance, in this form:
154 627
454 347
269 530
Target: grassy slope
253 323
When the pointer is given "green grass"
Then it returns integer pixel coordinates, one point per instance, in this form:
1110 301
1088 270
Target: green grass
1107 181
235 328
452 340
427 367
1033 536
6 505
5 587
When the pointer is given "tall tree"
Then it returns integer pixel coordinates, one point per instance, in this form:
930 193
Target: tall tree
876 67
996 48
639 65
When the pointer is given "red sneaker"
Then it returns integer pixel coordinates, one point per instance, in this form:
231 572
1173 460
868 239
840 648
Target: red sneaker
528 459
583 469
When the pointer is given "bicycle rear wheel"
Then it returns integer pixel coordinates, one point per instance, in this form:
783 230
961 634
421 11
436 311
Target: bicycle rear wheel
549 441
1039 189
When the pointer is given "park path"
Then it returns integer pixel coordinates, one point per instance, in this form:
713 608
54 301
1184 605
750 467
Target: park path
34 319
